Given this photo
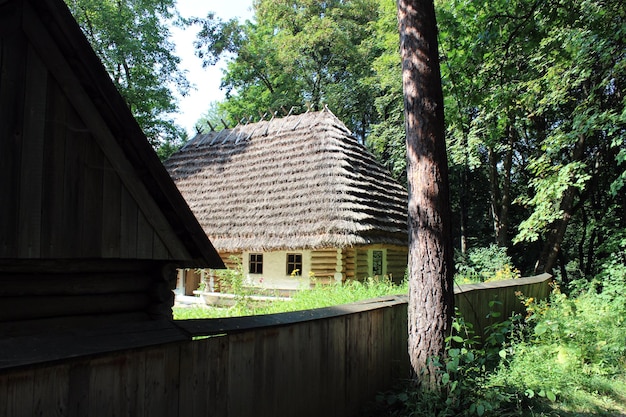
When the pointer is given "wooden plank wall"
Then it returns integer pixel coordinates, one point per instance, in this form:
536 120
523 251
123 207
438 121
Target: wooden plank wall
472 300
61 198
326 362
45 296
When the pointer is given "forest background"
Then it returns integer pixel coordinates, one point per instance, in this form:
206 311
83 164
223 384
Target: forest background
535 120
534 90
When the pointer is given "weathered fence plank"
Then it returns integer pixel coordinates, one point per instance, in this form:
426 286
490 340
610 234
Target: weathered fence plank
324 362
472 300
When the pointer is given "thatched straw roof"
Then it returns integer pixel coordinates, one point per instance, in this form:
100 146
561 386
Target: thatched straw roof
296 182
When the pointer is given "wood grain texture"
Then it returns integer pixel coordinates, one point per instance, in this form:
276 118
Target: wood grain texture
327 362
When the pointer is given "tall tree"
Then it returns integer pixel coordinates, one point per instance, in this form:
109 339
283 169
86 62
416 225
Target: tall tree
576 98
431 297
132 39
298 53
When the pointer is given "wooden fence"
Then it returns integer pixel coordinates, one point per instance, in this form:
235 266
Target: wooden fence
473 300
324 362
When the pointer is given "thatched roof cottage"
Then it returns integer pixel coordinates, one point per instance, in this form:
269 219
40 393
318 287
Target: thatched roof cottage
295 193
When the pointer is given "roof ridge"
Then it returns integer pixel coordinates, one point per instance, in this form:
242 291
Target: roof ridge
244 132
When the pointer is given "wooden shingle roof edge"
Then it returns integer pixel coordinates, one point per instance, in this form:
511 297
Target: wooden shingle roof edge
96 83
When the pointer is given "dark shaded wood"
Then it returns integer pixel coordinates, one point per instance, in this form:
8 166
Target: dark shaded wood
52 325
78 388
41 349
52 232
73 183
12 84
145 236
32 307
70 266
20 394
112 212
129 231
193 365
31 174
50 398
12 285
64 130
333 358
93 204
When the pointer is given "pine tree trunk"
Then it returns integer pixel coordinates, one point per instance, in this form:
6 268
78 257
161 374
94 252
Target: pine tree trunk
431 298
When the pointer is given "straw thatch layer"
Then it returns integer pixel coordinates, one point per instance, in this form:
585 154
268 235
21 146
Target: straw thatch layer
300 182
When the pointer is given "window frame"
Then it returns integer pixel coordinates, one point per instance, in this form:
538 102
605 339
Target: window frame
375 262
255 266
296 263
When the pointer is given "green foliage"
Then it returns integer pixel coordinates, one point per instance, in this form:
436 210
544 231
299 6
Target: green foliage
297 54
215 116
465 389
484 264
231 280
567 355
132 39
575 353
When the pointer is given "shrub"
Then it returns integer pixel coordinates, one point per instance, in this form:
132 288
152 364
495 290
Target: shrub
485 264
568 353
575 352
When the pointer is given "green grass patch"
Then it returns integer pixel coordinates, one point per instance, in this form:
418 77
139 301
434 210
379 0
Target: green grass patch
305 299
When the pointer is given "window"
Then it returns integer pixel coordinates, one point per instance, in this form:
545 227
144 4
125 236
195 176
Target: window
377 262
294 264
256 263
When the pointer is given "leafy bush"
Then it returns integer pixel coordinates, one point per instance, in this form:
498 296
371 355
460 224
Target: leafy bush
484 264
568 353
576 351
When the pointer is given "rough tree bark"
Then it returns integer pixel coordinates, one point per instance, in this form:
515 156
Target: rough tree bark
431 297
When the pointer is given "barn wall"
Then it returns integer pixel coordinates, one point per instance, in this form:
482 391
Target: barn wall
62 198
49 296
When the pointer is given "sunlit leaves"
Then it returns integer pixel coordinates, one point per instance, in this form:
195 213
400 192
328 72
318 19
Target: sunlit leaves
298 54
132 39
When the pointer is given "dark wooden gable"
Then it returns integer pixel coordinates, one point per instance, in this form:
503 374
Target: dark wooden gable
77 176
92 228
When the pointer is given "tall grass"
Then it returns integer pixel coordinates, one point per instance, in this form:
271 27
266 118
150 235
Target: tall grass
305 299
